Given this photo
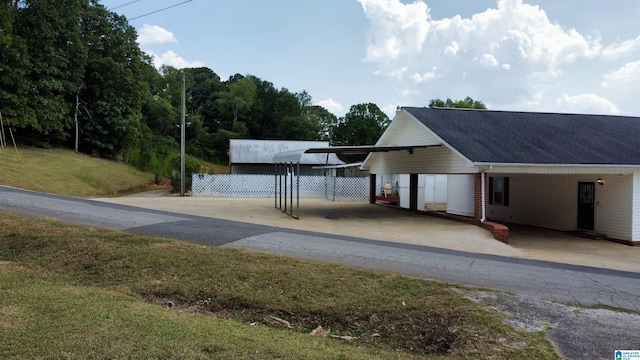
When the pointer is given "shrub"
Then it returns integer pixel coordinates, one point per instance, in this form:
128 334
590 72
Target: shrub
191 166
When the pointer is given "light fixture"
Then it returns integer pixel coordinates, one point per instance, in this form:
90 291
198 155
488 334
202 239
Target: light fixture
600 182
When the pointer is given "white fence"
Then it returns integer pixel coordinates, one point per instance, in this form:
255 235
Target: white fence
263 186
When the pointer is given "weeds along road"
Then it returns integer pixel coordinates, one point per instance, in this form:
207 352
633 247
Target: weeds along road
540 285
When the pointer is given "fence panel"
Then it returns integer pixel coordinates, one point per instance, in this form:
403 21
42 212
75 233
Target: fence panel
351 189
262 186
212 185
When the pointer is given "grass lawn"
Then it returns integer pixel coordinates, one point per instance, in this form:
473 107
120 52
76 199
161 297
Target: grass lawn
64 172
77 292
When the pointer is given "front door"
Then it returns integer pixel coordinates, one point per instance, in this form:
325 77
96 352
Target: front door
586 205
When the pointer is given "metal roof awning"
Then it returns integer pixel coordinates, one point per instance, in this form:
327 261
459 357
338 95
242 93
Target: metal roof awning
293 156
350 165
287 174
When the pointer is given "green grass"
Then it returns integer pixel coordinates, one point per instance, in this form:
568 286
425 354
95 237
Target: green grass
77 292
64 172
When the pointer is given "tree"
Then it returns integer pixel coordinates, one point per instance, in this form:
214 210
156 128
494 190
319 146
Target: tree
325 120
362 125
467 103
240 96
114 90
203 89
14 65
57 55
263 119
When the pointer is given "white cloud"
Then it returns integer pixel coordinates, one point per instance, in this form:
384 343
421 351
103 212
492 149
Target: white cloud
505 56
629 74
452 49
153 34
487 60
418 78
404 35
390 110
586 103
400 28
333 106
622 49
170 58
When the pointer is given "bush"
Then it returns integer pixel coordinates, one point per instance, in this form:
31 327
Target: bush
191 166
151 153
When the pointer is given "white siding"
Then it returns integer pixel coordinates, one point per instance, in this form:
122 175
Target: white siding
407 131
460 195
614 206
547 201
433 160
635 179
551 202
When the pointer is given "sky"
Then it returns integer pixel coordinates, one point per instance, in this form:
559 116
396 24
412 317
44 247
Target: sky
573 56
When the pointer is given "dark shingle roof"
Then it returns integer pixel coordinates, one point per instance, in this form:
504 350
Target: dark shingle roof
535 138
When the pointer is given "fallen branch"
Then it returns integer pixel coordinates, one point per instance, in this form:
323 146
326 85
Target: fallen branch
271 319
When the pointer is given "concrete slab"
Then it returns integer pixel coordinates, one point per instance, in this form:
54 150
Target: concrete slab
398 225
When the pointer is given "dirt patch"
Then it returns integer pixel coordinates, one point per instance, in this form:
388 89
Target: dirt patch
407 329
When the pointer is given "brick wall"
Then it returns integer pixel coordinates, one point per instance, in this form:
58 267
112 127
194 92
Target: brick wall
500 232
477 197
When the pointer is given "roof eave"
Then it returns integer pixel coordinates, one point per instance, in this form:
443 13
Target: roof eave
498 164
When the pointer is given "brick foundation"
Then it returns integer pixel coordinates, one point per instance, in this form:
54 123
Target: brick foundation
500 232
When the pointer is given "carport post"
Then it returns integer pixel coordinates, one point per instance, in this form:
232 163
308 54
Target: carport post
285 168
372 188
298 190
291 199
281 167
281 170
275 184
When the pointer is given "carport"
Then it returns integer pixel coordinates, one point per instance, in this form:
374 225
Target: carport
287 173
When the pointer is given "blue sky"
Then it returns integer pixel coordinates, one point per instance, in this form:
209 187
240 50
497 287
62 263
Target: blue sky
578 56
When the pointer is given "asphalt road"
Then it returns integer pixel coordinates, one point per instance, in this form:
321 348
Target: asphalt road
534 281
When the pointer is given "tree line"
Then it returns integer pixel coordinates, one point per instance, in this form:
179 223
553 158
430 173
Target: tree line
73 75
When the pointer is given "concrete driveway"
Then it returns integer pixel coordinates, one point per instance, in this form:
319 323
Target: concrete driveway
377 222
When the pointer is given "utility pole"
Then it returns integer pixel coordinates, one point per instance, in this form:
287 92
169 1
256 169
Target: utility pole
182 125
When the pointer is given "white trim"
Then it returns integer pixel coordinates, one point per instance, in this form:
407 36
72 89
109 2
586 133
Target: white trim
490 164
483 201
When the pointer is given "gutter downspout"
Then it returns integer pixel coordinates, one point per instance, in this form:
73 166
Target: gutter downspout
482 201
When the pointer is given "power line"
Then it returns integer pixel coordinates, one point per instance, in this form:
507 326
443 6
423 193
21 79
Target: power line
123 5
157 11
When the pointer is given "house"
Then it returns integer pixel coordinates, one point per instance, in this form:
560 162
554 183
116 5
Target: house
568 172
256 156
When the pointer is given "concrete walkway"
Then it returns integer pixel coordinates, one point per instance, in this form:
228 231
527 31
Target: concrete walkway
376 222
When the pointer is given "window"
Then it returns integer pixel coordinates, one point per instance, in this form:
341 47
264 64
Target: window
499 191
